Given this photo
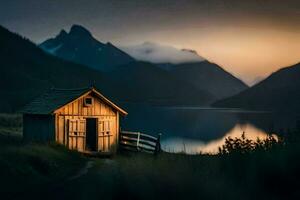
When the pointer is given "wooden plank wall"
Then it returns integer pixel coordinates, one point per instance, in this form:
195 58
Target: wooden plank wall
77 111
107 133
38 128
77 108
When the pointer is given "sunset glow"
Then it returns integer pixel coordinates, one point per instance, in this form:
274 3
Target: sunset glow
250 39
150 99
195 147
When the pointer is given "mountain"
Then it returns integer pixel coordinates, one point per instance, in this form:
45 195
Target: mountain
190 68
81 47
143 81
280 91
157 53
27 71
193 78
209 77
256 80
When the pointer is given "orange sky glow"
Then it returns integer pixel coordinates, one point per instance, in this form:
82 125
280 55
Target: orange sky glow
249 50
249 38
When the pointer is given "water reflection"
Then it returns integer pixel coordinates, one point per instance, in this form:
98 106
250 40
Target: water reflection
195 129
192 146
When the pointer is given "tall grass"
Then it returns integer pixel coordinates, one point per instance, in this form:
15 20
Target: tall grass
26 168
11 124
10 120
264 172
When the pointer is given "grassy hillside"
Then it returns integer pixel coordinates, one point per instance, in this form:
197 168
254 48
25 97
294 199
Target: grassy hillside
27 168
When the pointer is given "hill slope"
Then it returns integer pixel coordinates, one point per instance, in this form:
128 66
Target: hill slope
280 91
81 47
142 80
26 71
210 77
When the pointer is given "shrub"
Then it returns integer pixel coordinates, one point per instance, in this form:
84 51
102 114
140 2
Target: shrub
243 145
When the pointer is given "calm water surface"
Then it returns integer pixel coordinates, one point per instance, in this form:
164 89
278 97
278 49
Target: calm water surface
195 129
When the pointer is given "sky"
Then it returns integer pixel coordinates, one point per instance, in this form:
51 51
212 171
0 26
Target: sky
249 38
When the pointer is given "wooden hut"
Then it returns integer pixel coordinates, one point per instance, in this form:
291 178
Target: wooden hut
81 119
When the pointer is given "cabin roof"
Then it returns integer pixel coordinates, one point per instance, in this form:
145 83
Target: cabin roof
55 99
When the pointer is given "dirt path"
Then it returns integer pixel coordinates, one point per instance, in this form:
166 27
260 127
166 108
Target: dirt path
83 171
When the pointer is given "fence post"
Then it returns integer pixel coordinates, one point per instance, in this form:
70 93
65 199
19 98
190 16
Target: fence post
138 141
157 146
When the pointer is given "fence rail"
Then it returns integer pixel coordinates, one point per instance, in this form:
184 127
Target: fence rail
136 141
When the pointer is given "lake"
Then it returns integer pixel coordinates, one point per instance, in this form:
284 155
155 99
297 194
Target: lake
196 129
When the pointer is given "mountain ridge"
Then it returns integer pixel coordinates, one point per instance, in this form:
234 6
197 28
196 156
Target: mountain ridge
27 72
280 91
195 72
209 76
81 47
146 76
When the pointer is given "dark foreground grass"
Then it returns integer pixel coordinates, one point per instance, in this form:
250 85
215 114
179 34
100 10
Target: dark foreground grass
41 171
261 175
27 169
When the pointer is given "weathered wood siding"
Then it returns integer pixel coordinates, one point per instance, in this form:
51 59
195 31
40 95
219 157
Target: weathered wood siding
38 128
70 124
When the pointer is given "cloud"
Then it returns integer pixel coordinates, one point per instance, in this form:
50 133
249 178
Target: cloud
157 53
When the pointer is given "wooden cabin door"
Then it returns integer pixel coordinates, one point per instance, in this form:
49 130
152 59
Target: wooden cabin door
91 134
76 134
105 135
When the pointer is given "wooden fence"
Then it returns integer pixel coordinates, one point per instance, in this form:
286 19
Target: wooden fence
136 141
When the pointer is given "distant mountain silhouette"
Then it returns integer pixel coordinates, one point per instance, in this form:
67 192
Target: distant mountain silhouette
147 81
280 91
27 71
81 47
209 77
199 76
